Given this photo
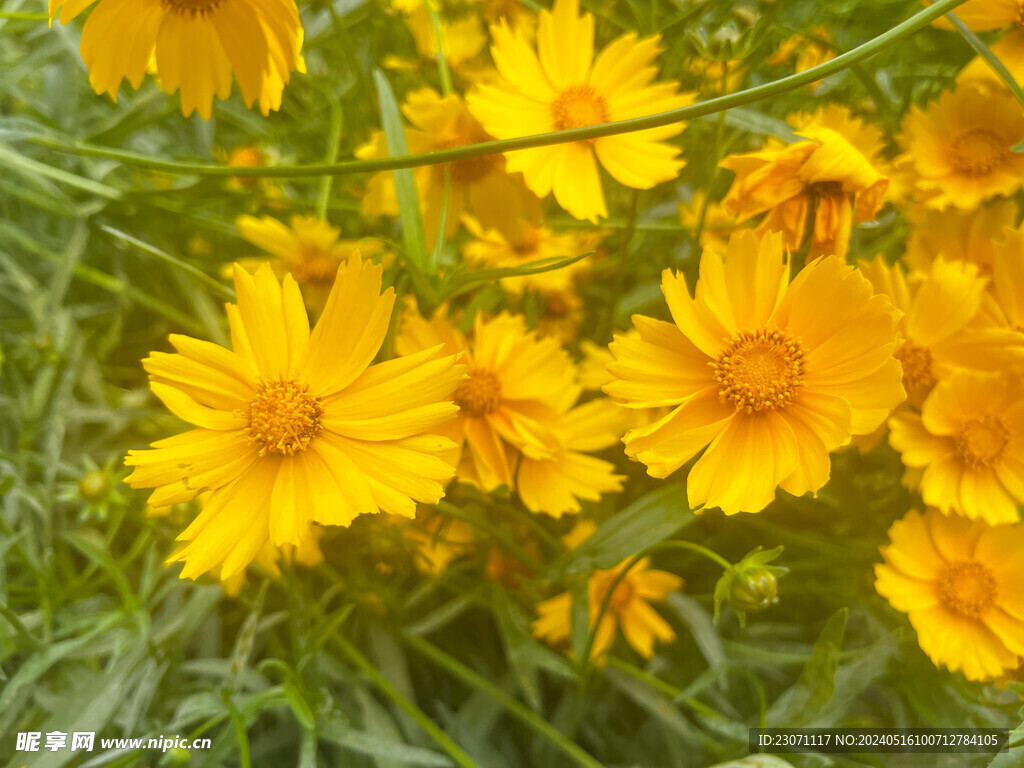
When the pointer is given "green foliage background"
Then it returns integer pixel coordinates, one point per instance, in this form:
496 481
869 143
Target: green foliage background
364 661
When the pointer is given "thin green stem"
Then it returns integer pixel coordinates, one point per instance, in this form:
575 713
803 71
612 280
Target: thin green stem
523 713
444 73
669 690
712 106
454 751
334 139
20 628
490 530
990 58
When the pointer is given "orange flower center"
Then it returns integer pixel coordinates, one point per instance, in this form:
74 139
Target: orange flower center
313 266
760 370
475 168
621 597
967 588
192 7
978 151
528 241
820 189
283 417
480 394
917 365
578 106
981 441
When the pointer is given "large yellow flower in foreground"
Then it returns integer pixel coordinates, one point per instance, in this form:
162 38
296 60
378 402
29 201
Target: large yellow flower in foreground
628 609
769 376
960 147
969 439
961 583
941 329
560 85
309 249
195 44
824 182
294 427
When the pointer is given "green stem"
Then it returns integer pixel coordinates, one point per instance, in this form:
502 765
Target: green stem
444 73
454 751
490 530
334 134
990 58
523 713
712 106
665 688
20 628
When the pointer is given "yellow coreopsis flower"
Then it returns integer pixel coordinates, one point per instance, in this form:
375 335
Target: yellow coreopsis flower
1005 308
988 16
518 387
561 85
969 440
825 181
958 235
479 185
310 250
439 540
959 582
960 147
463 38
196 46
809 51
628 610
769 376
941 330
296 427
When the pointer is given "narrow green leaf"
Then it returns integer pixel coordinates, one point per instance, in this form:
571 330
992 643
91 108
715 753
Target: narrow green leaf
365 744
405 186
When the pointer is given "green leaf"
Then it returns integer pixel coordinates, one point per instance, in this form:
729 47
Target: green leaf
366 744
650 519
798 705
405 187
299 706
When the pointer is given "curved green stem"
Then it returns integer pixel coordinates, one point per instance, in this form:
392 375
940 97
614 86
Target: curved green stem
712 106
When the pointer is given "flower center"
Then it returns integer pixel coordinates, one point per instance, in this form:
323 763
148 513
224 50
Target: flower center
528 241
578 106
475 168
193 7
312 265
917 365
981 441
967 588
820 189
760 370
283 417
978 151
480 394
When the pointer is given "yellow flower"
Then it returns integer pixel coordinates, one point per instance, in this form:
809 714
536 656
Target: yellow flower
310 250
439 540
462 38
940 329
308 554
961 146
293 427
517 389
717 76
195 44
1006 306
769 376
535 243
988 16
825 178
958 235
809 51
555 484
561 85
628 609
479 185
960 583
969 439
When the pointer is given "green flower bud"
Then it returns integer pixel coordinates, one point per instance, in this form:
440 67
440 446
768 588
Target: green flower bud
94 486
753 591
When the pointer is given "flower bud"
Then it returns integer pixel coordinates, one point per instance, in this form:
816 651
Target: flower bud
754 591
94 486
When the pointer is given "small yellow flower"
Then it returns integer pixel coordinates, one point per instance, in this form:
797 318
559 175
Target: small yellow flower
717 76
960 147
824 181
808 51
969 440
561 85
941 331
956 235
769 376
463 38
959 582
309 249
296 427
439 540
479 185
196 45
628 610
